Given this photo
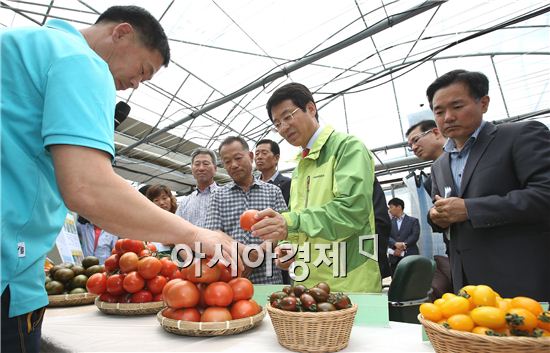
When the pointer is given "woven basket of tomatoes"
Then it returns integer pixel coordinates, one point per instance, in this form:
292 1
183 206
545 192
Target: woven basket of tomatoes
208 301
311 320
133 280
479 320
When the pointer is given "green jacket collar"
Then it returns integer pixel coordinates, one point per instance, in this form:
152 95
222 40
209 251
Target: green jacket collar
318 144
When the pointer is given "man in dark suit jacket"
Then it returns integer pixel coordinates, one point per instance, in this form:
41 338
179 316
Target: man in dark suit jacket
266 158
498 177
382 226
405 231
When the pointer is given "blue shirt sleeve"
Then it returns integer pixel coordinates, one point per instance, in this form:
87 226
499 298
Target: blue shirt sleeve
79 104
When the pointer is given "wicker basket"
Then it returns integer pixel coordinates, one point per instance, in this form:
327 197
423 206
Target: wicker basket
71 299
313 331
129 309
450 341
201 329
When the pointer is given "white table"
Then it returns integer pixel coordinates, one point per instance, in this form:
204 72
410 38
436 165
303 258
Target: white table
86 329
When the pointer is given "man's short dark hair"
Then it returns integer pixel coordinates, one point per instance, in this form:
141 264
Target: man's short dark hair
299 94
274 146
232 139
397 202
477 83
205 151
424 125
149 30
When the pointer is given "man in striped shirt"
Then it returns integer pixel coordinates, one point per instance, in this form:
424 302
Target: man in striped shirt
194 207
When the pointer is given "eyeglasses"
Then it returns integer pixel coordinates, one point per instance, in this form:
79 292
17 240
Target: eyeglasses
417 138
284 120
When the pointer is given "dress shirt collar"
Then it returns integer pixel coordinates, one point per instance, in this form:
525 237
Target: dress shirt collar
450 145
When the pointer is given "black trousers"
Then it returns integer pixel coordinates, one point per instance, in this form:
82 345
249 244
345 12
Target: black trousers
20 333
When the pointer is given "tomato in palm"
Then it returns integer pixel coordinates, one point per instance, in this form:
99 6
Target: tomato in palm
206 274
168 267
156 284
114 284
142 296
111 263
218 294
225 272
182 294
133 245
148 267
133 282
248 219
244 308
216 314
97 283
242 288
128 262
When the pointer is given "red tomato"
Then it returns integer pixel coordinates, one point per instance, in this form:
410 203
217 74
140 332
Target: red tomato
168 312
108 298
142 296
133 282
218 294
168 285
156 284
97 283
182 294
168 267
114 284
132 245
244 308
242 288
111 263
248 219
118 246
225 272
148 267
114 251
216 314
152 247
144 253
187 314
206 274
128 262
157 297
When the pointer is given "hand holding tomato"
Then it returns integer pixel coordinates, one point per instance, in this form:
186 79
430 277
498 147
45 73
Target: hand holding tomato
270 225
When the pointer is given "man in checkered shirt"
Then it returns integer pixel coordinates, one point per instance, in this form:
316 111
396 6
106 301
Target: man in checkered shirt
228 202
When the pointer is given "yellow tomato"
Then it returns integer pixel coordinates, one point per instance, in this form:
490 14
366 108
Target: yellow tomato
504 304
488 316
469 289
439 302
480 330
521 319
431 312
447 296
455 305
461 322
484 296
527 303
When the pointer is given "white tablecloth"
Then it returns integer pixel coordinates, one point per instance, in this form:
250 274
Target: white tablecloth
86 329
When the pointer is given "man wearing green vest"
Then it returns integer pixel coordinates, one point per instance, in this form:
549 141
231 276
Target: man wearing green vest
331 210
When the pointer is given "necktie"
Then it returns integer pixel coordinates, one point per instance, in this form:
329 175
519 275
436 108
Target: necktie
97 233
305 152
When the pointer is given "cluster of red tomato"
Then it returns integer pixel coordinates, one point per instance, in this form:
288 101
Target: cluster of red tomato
132 274
212 296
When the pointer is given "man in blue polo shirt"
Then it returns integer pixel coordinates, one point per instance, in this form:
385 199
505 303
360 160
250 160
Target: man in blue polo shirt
57 105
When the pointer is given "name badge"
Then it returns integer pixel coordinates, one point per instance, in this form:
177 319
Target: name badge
21 249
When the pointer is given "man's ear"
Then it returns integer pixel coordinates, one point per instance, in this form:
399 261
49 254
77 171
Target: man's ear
485 103
122 30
